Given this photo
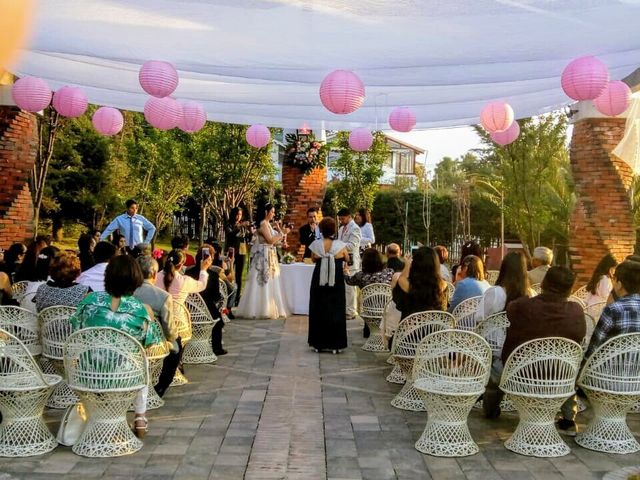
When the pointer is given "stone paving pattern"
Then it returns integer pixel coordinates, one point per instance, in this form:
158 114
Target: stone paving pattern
274 409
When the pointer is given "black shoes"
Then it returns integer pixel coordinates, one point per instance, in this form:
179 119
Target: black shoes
220 352
365 331
567 427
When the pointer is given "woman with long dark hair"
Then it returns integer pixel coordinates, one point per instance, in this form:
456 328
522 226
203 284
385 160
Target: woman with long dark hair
600 285
512 283
363 219
264 296
86 244
420 287
13 257
373 270
472 282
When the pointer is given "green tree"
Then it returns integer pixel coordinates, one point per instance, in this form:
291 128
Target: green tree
358 173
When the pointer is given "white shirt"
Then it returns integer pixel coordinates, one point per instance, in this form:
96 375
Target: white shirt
94 277
368 237
445 273
603 289
493 301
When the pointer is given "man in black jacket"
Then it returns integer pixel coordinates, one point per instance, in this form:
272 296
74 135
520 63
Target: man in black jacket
309 232
237 233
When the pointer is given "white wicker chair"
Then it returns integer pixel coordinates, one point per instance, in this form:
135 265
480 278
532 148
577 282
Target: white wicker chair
182 325
451 289
23 324
373 299
410 333
537 288
611 380
199 349
54 331
106 368
539 376
18 290
491 276
582 293
595 310
494 330
573 298
465 313
590 325
396 376
451 370
155 356
24 390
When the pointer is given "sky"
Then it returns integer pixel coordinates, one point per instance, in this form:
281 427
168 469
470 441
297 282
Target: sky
445 142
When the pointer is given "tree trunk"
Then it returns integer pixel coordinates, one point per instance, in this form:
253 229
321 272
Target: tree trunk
51 120
204 216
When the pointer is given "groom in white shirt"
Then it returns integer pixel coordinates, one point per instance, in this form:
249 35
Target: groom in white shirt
350 234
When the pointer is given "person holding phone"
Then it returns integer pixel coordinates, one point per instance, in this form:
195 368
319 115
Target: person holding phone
237 235
310 231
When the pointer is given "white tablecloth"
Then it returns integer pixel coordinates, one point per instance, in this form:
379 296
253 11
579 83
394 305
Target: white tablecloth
296 281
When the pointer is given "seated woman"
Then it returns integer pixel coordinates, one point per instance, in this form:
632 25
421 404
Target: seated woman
512 283
373 270
420 287
13 258
472 283
62 289
38 276
600 285
178 285
118 308
211 294
6 295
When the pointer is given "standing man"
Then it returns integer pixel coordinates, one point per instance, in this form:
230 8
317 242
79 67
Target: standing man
236 235
310 232
350 234
132 226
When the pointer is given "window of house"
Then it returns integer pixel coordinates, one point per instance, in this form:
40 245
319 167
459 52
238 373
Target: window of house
390 160
405 163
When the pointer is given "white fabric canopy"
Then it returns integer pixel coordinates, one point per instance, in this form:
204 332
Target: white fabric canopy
262 61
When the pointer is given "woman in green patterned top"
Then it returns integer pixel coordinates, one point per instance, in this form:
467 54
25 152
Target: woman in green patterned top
117 308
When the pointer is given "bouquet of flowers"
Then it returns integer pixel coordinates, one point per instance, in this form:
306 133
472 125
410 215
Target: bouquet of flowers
306 152
288 258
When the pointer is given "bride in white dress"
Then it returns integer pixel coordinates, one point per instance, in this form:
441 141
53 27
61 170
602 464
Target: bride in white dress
263 295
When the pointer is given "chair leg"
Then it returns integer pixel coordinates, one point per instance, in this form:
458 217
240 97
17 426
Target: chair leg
408 398
396 376
62 396
608 430
536 434
199 350
446 433
375 342
154 400
107 433
23 432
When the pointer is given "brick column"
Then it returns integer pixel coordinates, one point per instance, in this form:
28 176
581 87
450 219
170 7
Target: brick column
302 192
18 143
601 222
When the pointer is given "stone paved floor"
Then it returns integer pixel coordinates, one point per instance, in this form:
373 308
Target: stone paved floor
273 409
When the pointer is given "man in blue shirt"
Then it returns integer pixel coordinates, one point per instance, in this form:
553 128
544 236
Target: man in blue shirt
132 226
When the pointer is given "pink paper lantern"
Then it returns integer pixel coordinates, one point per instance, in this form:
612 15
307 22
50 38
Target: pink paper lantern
585 78
162 113
402 119
614 100
31 94
496 117
508 136
342 92
360 139
70 102
193 117
258 135
159 79
107 120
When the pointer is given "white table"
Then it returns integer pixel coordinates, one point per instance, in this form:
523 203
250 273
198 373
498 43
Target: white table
296 281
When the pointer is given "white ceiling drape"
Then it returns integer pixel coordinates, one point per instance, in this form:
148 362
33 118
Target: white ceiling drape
252 61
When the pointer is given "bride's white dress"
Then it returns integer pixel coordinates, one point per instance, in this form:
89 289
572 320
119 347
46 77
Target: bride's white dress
263 295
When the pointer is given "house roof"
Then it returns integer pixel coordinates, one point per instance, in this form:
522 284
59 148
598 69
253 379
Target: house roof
405 144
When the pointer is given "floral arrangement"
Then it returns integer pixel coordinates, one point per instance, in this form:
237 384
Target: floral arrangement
306 152
288 258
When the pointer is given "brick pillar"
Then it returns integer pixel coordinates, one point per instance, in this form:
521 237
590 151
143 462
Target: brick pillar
302 192
601 222
18 143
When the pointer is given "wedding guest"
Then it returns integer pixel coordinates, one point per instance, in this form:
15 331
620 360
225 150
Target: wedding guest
600 284
443 256
512 283
373 270
211 294
94 277
13 257
541 262
237 235
6 295
363 219
420 288
469 248
118 308
226 273
393 257
131 225
177 284
120 243
141 250
28 264
62 289
310 231
327 317
95 234
86 245
182 243
37 277
350 234
472 283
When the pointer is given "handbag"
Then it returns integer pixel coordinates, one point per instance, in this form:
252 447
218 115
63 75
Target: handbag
72 425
